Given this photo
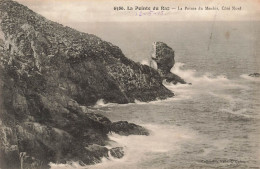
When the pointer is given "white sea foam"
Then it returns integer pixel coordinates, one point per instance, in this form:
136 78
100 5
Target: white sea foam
163 138
211 86
205 82
101 103
69 165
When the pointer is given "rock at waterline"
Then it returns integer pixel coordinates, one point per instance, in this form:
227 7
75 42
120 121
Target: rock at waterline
173 78
254 75
163 55
117 152
97 150
125 128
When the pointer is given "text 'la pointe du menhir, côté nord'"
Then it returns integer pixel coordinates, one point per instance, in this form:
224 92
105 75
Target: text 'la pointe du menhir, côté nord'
184 8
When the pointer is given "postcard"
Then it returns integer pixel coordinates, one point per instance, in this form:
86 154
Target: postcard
134 84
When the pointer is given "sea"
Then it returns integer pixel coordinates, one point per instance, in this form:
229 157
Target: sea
213 123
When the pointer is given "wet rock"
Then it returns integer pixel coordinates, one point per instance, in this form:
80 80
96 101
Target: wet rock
254 75
117 152
99 118
163 55
97 150
173 78
125 128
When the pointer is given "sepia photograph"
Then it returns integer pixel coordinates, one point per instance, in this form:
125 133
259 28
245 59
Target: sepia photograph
129 84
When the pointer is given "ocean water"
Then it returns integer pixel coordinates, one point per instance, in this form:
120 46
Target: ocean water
213 123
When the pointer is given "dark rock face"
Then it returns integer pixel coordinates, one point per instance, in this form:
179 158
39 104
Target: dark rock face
48 72
117 152
97 150
254 75
125 128
164 57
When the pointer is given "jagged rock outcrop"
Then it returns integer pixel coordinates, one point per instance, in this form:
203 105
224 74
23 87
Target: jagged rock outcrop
163 55
125 128
49 74
117 152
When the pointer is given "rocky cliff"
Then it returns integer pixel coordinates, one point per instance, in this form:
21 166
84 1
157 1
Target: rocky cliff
49 74
163 55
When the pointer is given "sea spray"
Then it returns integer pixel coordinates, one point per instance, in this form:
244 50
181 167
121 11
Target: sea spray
205 81
102 103
68 165
163 139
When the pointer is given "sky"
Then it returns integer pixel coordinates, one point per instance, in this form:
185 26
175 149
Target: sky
67 11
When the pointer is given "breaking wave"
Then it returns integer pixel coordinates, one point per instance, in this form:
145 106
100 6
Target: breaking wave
69 165
200 84
205 80
100 103
163 138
